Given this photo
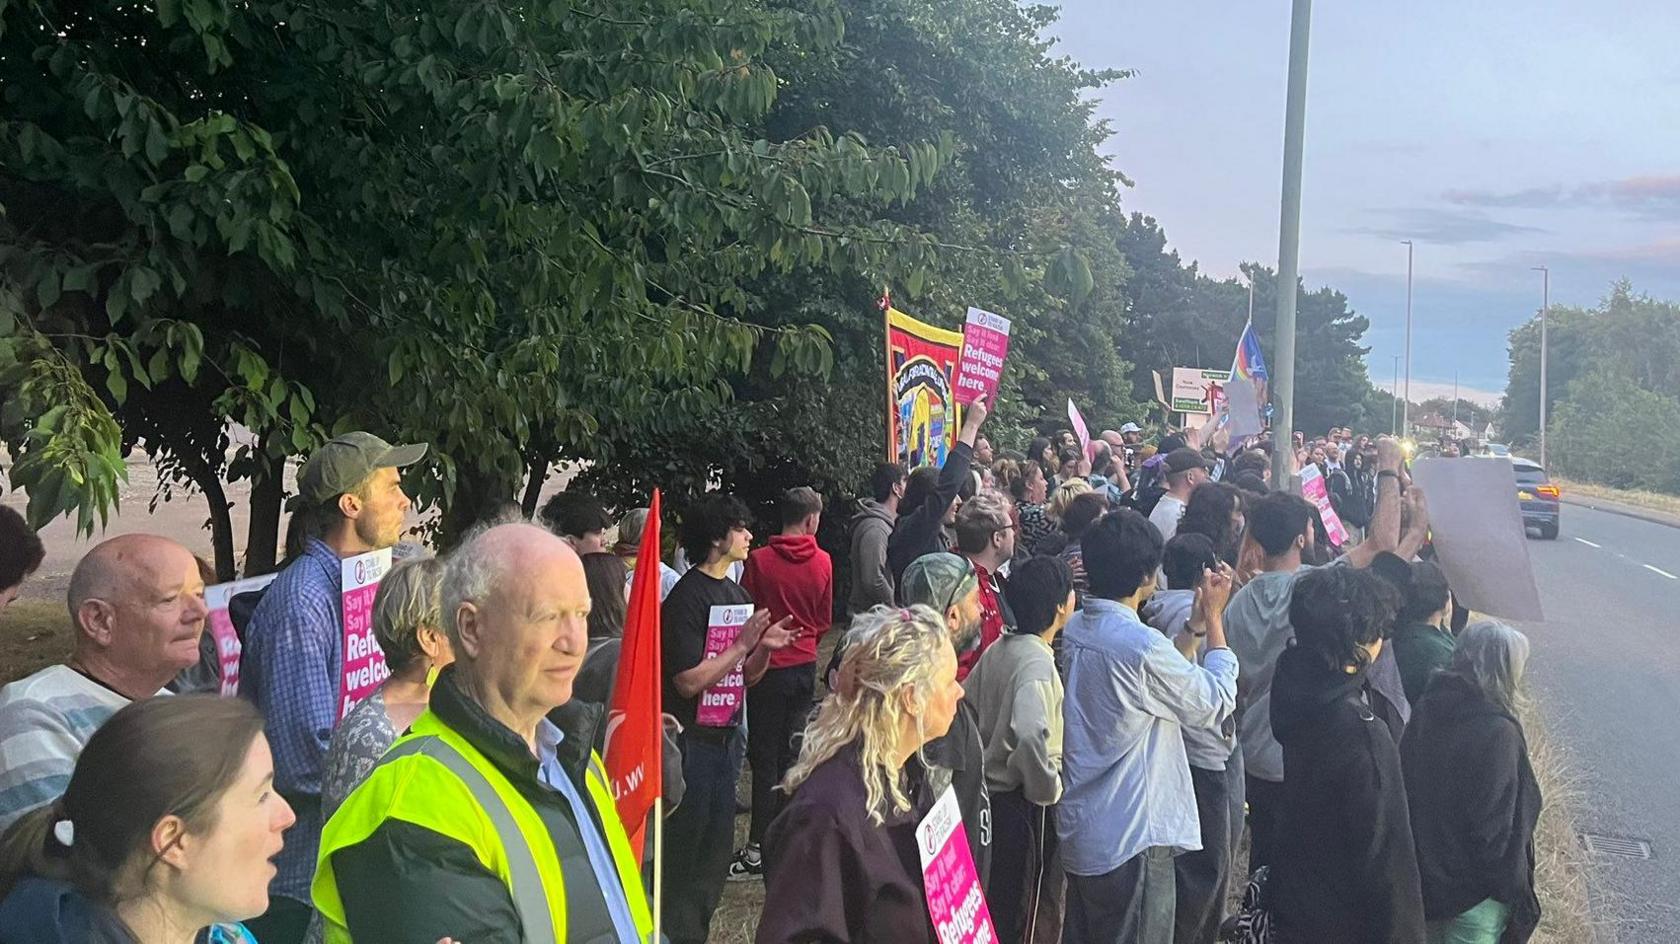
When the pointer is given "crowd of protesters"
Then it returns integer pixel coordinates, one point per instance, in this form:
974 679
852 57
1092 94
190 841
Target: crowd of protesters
1120 657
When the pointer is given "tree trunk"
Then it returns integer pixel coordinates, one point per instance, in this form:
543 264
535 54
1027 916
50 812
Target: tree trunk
221 522
479 494
267 489
535 475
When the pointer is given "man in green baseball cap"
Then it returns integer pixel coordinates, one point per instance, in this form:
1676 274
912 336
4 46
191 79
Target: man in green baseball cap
351 502
355 475
950 586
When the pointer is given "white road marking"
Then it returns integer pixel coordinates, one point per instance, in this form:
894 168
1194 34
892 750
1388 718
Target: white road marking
1589 543
1659 570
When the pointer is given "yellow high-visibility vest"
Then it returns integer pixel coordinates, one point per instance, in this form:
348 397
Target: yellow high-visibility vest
434 778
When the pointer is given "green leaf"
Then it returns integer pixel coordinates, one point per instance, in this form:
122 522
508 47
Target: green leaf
118 386
157 143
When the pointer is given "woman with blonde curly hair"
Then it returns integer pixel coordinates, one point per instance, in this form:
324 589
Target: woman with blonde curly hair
840 861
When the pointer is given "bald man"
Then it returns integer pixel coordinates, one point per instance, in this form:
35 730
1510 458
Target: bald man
499 769
137 611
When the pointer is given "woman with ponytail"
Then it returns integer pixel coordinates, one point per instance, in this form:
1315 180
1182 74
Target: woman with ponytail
841 862
164 835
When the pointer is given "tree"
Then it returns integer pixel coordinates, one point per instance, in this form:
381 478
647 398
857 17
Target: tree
504 230
1569 340
1609 407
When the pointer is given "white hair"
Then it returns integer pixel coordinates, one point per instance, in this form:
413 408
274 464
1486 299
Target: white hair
1494 657
470 573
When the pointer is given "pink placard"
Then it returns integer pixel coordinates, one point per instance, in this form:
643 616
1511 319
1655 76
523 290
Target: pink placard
721 702
1080 429
985 344
1314 490
955 898
219 624
364 661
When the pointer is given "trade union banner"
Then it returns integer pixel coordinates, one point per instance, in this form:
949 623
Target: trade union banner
923 415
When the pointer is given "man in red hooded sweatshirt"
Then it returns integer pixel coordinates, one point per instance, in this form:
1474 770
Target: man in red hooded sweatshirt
790 577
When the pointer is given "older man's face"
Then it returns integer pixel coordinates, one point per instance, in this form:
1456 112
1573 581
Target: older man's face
157 612
533 626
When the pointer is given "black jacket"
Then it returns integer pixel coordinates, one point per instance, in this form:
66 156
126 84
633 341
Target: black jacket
1474 804
918 530
1345 871
830 874
407 883
962 753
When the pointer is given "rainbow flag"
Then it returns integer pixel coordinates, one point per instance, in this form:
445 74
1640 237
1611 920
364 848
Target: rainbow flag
1250 364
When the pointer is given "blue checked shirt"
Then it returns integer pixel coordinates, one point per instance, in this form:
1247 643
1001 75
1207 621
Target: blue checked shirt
291 669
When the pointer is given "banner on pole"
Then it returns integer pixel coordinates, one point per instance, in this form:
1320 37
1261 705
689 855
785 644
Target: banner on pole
924 415
633 752
985 344
1195 390
364 666
219 623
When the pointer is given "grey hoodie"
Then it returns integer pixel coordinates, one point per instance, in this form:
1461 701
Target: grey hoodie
1207 748
1257 627
872 580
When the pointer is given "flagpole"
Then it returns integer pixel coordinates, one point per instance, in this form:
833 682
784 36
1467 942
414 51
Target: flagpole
658 866
887 369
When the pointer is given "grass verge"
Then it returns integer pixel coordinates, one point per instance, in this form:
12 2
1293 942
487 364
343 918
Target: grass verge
1562 874
1651 501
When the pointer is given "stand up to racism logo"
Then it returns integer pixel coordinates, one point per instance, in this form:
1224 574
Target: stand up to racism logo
923 416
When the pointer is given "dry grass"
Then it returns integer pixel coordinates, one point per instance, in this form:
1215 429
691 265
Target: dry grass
1563 875
33 634
1652 501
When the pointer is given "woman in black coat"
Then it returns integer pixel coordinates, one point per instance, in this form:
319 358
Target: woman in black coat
1345 870
1474 799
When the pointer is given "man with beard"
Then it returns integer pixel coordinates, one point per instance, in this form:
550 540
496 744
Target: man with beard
949 584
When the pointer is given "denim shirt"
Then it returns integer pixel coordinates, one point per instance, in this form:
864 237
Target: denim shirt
294 655
554 777
1129 695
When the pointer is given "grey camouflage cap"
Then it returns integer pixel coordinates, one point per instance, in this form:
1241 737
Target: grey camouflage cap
937 580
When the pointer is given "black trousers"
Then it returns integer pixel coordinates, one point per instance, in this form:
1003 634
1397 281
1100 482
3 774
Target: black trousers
1265 818
1204 876
700 833
777 708
1133 904
1026 885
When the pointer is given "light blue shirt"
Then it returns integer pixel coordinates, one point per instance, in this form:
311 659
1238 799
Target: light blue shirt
554 777
1129 694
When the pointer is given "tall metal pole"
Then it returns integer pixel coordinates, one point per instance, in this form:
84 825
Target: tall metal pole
1406 411
1251 298
1394 400
1289 247
1455 400
1545 308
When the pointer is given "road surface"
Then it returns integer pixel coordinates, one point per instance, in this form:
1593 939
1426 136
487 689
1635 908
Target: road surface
1606 668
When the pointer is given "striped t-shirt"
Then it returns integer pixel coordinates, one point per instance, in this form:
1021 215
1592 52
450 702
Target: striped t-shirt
45 720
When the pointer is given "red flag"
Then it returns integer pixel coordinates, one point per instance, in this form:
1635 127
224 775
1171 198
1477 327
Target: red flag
635 726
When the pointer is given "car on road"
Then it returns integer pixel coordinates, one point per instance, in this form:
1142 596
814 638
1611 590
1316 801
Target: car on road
1538 496
1497 450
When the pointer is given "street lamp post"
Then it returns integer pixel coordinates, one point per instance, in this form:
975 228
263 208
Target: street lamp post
1545 308
1394 400
1406 411
1289 244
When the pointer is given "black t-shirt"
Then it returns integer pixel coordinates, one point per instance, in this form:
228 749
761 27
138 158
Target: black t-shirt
684 618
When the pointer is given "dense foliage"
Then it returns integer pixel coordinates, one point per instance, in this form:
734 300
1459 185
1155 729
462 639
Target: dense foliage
1613 377
644 236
